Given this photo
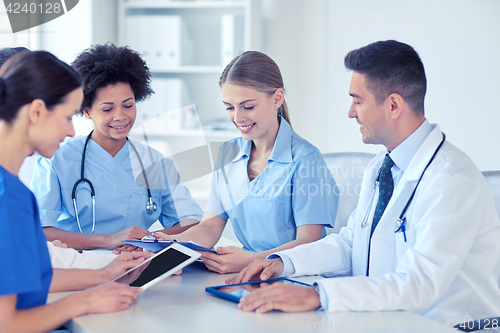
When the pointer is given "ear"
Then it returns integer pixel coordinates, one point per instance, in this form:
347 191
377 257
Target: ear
396 104
86 112
36 110
278 98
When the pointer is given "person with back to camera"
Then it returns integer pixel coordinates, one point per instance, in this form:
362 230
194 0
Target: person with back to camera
435 253
39 95
115 78
273 185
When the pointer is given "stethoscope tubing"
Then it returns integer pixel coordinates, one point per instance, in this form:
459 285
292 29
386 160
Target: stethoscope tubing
400 223
150 204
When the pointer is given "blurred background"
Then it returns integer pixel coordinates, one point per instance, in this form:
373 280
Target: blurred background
187 44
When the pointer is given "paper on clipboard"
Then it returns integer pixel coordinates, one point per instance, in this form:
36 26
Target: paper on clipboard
157 246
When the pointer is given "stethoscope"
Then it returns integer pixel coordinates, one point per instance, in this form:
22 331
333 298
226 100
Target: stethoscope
400 224
150 205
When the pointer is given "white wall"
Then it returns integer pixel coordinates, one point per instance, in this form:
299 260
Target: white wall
65 37
69 34
458 41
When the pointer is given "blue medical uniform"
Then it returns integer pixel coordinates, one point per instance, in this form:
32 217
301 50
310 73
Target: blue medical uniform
295 189
120 189
25 261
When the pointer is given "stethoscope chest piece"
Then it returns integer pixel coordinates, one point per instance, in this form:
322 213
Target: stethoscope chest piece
150 206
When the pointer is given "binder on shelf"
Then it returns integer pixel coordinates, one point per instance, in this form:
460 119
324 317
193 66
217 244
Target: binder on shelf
232 37
171 48
163 111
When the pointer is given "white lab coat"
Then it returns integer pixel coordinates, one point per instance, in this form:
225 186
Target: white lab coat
70 258
446 268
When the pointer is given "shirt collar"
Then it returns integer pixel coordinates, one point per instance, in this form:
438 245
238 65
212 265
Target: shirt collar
404 152
282 149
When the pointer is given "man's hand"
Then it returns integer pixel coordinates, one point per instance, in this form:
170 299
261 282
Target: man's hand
280 296
259 269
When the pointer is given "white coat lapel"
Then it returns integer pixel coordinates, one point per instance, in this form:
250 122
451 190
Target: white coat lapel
383 244
362 234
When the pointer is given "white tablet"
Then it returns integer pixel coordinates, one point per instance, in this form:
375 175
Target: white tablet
163 264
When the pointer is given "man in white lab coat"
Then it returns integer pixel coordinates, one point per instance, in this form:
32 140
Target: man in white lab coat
440 256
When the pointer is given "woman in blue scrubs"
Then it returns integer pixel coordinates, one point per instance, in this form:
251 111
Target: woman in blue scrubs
115 78
272 184
39 95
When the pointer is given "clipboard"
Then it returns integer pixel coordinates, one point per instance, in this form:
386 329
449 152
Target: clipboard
156 246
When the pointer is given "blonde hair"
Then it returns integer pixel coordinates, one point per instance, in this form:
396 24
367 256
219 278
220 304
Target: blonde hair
257 70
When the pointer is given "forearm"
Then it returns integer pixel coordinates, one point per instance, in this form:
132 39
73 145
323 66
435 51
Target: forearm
305 234
206 233
180 227
43 318
286 246
76 279
76 240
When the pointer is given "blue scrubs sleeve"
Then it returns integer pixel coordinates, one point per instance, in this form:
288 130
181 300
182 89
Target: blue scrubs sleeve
314 197
47 189
25 261
214 204
177 203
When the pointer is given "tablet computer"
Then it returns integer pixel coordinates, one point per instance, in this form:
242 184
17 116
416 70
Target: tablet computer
163 264
234 292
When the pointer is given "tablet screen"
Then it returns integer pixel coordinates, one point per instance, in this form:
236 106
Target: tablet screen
237 291
159 265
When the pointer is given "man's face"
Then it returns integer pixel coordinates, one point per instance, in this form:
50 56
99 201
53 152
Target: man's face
372 116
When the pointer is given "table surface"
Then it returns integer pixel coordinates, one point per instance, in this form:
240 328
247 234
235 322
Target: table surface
180 304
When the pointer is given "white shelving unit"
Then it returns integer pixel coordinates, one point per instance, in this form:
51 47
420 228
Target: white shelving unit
186 45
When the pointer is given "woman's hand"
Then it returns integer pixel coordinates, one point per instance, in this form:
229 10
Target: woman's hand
123 263
115 240
58 243
161 235
109 297
228 259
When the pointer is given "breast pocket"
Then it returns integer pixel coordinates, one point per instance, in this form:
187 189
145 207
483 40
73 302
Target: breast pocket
404 240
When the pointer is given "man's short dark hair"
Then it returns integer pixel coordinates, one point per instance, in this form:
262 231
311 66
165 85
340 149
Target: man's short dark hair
391 67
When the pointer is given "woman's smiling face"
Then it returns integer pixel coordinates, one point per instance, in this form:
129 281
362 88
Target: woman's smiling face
254 113
113 112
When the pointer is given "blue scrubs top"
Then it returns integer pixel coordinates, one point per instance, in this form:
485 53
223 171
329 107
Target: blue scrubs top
120 190
25 261
295 189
